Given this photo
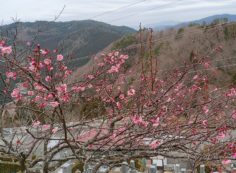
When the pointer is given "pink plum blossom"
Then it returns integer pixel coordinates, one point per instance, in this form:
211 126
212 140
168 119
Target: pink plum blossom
42 105
118 104
221 135
32 67
78 88
113 69
205 122
234 115
231 92
6 50
67 73
90 76
38 86
62 88
234 155
169 100
205 109
81 88
124 57
195 88
48 78
30 93
60 57
47 61
65 98
195 77
226 161
28 43
46 127
18 142
138 120
16 93
36 124
43 52
54 130
38 98
54 104
90 86
131 92
206 64
154 144
2 43
49 96
11 75
155 122
101 64
122 96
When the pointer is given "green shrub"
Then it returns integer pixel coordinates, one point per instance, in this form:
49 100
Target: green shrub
128 64
219 21
192 24
78 166
9 167
207 169
139 165
124 42
155 52
230 31
233 81
180 31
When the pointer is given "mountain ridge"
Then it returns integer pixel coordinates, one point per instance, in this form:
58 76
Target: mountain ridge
210 19
74 38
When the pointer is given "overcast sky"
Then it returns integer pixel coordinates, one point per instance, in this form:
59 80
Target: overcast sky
118 12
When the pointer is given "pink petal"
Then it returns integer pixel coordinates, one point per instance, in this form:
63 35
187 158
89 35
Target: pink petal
226 162
60 57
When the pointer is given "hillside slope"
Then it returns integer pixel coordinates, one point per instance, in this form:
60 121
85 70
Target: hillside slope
174 47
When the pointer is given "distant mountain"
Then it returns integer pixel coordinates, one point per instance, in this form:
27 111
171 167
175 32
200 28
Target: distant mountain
206 20
163 25
76 38
209 20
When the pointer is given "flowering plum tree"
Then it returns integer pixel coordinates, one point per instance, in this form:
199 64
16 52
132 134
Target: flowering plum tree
178 114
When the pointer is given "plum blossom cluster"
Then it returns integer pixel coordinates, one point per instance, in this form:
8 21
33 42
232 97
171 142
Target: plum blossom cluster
115 60
42 74
174 112
4 49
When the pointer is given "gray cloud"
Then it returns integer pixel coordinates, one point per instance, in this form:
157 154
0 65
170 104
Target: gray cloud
118 12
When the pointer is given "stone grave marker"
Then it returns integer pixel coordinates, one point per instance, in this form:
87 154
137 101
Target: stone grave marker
132 171
66 168
183 170
202 168
89 170
132 164
144 162
124 168
153 169
177 168
103 169
233 166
